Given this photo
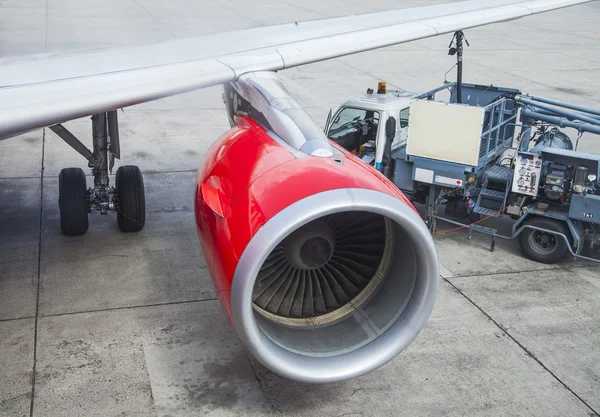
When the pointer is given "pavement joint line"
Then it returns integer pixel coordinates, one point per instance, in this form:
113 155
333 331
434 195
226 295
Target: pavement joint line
526 48
527 351
19 178
39 271
16 319
369 74
235 11
487 274
323 16
258 380
160 24
574 57
541 29
100 310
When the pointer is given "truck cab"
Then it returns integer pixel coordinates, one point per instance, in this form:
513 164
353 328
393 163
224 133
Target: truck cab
363 124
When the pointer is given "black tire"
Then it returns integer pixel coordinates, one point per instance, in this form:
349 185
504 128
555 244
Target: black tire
131 200
72 201
544 247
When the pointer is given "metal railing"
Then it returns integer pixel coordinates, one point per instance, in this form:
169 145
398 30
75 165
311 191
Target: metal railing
493 233
494 139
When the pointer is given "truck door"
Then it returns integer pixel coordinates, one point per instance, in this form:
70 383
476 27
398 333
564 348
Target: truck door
402 134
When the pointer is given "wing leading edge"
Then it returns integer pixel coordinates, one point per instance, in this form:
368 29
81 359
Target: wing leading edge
43 90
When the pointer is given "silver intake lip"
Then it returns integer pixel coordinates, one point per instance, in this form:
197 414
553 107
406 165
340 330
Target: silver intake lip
364 336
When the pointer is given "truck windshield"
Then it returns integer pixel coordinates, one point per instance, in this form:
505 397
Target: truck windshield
349 115
353 127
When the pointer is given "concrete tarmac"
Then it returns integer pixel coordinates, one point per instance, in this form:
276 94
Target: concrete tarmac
112 324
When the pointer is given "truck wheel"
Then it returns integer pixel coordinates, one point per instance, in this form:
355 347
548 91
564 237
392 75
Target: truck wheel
542 246
131 203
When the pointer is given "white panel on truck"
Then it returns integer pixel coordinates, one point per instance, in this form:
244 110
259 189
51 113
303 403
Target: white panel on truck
528 171
446 132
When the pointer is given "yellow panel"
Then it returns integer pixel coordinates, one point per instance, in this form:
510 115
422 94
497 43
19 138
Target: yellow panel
447 132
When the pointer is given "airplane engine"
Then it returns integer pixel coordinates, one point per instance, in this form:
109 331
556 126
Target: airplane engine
323 267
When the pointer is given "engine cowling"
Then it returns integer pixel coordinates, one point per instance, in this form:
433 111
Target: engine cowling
324 269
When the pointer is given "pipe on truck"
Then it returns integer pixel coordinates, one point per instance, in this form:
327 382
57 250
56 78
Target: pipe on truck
530 113
564 113
565 105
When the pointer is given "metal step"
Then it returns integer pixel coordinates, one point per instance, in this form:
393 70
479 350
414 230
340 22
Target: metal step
493 194
498 173
490 202
482 229
486 211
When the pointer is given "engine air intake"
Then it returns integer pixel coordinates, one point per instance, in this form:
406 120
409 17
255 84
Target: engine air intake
323 270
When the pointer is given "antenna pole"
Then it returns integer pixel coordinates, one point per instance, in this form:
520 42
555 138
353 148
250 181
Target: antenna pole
459 64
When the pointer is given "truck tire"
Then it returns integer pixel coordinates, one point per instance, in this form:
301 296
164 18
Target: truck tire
545 247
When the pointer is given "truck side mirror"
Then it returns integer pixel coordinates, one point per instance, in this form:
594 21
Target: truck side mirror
390 128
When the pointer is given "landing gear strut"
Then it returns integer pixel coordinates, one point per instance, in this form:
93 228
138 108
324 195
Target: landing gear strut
127 198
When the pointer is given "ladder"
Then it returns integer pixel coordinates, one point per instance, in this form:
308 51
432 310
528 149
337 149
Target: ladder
493 195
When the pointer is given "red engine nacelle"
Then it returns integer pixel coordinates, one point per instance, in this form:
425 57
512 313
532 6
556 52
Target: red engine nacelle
323 267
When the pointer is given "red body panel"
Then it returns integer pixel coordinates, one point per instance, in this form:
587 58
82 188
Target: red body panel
250 178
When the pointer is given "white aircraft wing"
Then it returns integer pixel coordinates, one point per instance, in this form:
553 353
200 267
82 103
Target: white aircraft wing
42 90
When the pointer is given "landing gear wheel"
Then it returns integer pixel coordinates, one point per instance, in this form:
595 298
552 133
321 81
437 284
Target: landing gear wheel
131 200
541 246
72 201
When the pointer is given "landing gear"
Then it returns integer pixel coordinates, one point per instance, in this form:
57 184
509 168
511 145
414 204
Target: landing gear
73 201
541 246
76 201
